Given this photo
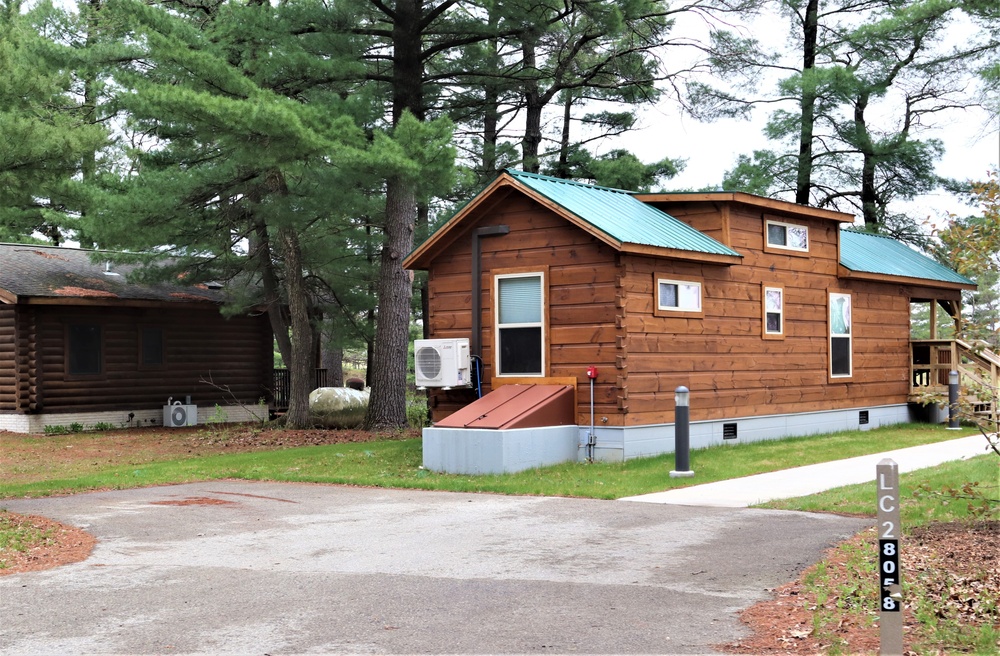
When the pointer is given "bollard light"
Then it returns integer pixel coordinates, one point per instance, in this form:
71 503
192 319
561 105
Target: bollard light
682 397
953 422
682 434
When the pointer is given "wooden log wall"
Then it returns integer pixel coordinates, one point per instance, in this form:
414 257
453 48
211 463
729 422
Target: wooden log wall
581 280
731 369
8 372
199 345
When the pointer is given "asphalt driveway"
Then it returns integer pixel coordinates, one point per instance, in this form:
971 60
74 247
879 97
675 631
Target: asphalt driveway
278 568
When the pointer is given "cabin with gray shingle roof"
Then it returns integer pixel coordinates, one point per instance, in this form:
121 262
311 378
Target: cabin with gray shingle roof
779 321
81 344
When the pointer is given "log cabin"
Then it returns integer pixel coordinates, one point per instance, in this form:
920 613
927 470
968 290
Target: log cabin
778 321
81 345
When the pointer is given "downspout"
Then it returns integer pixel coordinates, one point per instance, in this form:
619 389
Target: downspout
476 348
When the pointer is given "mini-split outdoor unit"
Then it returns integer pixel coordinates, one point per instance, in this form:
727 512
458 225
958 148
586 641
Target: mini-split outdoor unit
442 362
178 414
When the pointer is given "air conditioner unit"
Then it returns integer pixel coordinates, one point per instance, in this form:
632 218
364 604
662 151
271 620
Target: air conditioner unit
442 362
178 414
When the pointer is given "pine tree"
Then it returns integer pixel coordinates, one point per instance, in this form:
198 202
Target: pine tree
46 134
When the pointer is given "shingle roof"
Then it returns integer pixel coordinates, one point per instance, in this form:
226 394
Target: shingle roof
43 271
620 215
868 253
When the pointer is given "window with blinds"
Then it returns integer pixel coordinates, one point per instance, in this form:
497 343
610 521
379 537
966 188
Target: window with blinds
520 309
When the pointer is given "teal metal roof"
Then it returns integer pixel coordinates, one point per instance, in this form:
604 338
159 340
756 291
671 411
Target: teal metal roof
619 215
865 252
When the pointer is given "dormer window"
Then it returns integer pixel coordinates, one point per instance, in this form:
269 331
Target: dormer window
787 236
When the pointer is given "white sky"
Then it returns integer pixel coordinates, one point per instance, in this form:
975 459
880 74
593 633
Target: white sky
971 138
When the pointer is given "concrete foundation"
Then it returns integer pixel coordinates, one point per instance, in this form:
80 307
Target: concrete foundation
484 451
119 418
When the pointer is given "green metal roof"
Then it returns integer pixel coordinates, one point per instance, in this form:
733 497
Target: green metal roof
621 216
865 252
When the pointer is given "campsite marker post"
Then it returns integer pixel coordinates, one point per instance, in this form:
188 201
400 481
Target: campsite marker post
890 581
682 433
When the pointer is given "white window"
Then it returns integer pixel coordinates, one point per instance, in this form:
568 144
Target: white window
787 235
840 336
520 329
678 295
774 311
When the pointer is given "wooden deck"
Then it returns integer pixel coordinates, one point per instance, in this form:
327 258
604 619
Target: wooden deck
931 361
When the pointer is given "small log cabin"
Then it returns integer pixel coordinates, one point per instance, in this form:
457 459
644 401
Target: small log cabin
778 321
79 344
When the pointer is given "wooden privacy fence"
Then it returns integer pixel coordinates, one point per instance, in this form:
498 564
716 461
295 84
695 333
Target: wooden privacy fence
282 385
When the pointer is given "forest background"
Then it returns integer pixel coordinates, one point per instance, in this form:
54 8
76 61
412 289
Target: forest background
301 148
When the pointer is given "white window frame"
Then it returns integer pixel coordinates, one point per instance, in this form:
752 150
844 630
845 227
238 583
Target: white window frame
679 283
773 334
497 326
787 226
842 329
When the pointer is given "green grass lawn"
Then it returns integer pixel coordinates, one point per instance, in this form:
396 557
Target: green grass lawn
398 464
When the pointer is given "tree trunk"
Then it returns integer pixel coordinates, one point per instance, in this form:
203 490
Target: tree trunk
260 249
562 169
803 181
387 376
302 367
869 200
533 106
387 373
332 359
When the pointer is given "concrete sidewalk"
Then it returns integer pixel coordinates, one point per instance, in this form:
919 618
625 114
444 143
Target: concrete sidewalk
801 481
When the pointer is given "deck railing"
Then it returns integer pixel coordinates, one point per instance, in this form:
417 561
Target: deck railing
931 360
282 385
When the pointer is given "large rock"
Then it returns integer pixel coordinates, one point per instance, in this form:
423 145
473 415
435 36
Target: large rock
338 407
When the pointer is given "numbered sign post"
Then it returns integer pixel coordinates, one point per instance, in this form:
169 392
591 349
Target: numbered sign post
890 581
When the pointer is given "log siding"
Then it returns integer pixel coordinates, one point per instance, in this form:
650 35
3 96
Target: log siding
602 312
213 359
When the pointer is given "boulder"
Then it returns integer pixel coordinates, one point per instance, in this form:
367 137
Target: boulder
338 407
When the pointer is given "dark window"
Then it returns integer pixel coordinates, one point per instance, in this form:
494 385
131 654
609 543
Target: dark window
521 350
776 235
152 347
840 356
84 347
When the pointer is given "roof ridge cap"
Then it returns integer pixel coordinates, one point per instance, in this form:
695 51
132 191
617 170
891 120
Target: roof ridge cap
516 173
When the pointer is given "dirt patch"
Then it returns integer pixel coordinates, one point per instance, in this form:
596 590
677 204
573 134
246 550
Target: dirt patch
57 544
955 564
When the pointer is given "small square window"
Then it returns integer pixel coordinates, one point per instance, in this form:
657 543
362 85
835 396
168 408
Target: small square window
678 296
787 236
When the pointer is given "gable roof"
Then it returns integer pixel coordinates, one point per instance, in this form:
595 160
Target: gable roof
45 274
864 253
614 216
